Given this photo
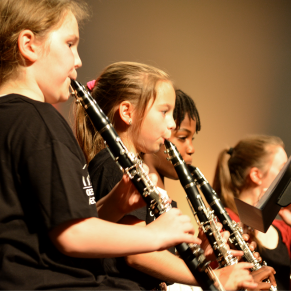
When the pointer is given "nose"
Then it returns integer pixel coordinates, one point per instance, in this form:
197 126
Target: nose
190 149
78 62
172 123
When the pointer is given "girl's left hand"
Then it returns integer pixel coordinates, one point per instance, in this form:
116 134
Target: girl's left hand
208 250
129 197
122 199
252 246
285 214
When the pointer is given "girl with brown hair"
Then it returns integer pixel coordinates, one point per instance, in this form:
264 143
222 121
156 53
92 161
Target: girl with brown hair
246 171
51 235
139 101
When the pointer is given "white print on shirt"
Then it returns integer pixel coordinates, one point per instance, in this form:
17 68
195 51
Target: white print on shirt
88 188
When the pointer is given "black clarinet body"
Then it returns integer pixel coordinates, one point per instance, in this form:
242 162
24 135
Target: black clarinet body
230 225
204 216
192 255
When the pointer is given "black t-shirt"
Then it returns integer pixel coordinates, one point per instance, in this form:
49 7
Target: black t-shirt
43 182
105 174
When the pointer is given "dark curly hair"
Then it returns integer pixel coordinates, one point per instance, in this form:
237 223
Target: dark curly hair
185 105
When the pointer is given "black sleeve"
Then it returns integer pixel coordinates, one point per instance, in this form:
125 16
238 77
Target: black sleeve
104 173
60 185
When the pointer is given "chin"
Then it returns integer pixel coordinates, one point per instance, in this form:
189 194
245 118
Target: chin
64 96
157 149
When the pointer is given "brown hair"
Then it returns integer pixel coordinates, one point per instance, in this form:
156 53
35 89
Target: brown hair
39 16
233 165
134 82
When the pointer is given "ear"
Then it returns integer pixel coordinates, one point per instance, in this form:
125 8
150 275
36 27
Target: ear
27 45
126 112
256 175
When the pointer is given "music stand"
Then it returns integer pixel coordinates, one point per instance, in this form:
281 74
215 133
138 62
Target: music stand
278 195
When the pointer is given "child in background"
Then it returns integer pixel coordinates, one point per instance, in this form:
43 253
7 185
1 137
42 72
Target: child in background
245 172
50 235
139 101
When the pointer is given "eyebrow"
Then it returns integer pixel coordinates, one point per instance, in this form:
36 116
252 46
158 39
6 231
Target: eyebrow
74 37
164 104
183 129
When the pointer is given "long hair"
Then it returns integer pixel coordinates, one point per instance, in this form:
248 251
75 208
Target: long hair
39 16
134 82
233 165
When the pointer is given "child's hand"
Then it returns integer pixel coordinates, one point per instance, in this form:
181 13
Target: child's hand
236 277
208 250
252 245
172 228
265 272
127 198
122 199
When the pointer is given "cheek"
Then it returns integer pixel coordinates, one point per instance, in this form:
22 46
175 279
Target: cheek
65 61
180 147
271 176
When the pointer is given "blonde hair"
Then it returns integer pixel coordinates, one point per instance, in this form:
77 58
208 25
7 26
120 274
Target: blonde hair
134 82
233 165
39 16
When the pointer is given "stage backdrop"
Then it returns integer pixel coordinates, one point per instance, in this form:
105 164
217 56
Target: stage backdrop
231 57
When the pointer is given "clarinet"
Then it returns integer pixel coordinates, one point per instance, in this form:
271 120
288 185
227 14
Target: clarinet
204 216
235 230
192 254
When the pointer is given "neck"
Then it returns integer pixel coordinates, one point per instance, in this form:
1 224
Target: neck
127 141
251 195
149 161
161 182
22 85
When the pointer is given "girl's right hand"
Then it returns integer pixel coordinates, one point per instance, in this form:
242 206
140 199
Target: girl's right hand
173 228
265 272
236 277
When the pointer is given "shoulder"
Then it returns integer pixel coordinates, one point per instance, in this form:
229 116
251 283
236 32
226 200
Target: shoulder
28 126
32 116
232 215
31 126
282 226
285 231
103 164
104 173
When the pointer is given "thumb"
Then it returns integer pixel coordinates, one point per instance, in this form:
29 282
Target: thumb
154 178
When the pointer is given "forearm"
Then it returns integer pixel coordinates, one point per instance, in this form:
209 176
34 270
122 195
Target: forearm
95 238
162 265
